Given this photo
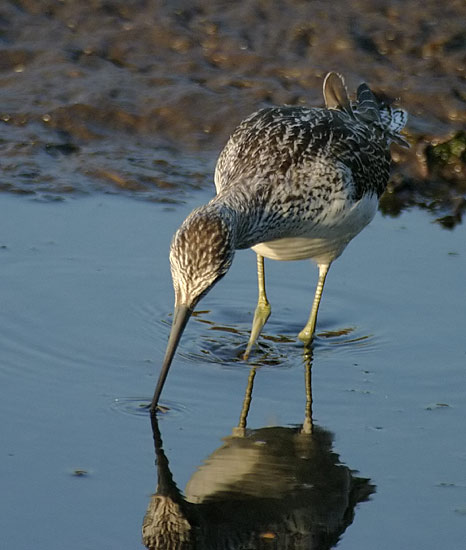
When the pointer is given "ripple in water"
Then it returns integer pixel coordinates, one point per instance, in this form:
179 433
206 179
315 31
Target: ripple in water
139 406
226 344
346 339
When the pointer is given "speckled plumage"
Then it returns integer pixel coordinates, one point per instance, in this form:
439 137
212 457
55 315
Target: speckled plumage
292 173
292 183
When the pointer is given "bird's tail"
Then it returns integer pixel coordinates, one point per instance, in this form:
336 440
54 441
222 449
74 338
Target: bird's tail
366 108
370 109
336 94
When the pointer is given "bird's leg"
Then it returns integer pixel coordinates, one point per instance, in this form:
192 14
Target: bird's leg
240 430
263 308
308 424
307 333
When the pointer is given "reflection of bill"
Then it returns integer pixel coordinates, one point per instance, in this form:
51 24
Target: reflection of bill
281 486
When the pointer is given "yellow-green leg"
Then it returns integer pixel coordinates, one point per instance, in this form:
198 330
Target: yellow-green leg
263 308
307 333
240 430
308 424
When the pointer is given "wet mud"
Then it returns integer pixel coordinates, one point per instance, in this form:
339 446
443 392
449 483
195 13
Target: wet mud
139 97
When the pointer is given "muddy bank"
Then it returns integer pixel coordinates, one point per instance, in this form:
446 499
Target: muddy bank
139 97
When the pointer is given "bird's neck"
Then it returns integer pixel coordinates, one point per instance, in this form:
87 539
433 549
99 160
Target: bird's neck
246 215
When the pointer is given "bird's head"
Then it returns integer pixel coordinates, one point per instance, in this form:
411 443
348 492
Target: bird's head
201 253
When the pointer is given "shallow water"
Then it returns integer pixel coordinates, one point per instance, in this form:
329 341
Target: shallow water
85 309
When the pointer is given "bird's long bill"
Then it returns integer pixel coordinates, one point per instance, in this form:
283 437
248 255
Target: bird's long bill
181 316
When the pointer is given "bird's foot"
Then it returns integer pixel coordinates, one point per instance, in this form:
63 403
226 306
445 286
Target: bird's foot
261 315
238 432
306 335
158 409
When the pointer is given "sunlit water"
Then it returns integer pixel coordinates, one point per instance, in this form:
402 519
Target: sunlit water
85 311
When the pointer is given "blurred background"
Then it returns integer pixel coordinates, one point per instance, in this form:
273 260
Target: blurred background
103 95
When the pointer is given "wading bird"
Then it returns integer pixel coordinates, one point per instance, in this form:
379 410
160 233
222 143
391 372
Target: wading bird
292 183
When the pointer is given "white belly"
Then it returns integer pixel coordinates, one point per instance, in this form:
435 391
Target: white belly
326 239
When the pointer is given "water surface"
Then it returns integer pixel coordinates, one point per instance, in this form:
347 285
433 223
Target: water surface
85 309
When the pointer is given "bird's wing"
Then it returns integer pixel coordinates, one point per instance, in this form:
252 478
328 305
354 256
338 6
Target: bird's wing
288 144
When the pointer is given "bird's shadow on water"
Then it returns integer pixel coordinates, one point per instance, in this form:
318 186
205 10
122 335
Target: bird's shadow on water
279 486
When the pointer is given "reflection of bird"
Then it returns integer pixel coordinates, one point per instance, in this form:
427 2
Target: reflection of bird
279 486
292 183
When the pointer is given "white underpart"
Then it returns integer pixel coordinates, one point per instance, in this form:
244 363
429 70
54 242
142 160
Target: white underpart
326 240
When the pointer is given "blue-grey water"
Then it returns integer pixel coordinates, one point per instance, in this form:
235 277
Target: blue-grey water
85 309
